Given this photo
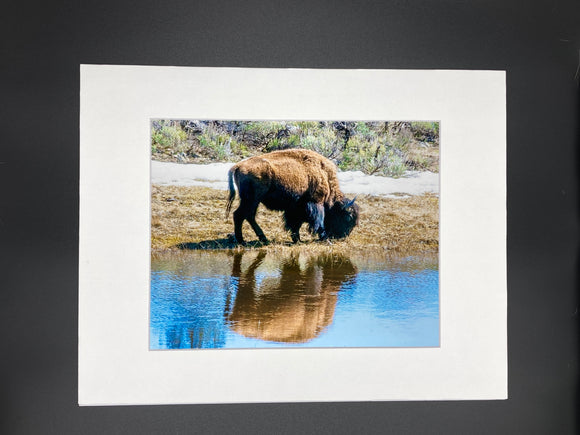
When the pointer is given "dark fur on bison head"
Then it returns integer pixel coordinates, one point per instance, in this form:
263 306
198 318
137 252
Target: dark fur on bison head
341 218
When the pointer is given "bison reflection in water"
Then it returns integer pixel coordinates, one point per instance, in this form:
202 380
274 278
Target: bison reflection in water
301 183
295 306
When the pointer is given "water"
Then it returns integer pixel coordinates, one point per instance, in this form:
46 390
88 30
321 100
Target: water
217 299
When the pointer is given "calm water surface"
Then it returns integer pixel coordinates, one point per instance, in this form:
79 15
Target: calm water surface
216 299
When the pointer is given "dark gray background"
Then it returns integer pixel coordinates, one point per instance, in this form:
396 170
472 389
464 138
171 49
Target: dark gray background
42 45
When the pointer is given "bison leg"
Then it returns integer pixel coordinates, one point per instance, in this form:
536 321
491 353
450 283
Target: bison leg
315 219
295 232
239 217
257 229
247 211
293 222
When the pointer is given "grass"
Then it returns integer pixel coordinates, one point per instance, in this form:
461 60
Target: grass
194 218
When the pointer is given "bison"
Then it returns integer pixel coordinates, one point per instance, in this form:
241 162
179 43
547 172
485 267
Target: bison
302 184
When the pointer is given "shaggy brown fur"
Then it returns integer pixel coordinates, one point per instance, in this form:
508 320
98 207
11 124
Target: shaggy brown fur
299 182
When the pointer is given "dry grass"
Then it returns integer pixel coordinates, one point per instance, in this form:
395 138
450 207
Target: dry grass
194 218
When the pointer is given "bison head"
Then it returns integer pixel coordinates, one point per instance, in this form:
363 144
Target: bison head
341 218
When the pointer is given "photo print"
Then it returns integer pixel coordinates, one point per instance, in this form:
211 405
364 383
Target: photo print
294 234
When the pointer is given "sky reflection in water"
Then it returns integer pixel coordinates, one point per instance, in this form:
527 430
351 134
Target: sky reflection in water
246 300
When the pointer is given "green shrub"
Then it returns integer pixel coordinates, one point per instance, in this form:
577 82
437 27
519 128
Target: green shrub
372 157
305 126
273 145
216 145
240 149
324 142
263 129
425 131
168 138
366 130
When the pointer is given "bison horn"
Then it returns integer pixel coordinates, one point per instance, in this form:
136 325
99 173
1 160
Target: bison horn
350 203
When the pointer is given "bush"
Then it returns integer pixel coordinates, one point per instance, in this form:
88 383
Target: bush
217 145
322 140
425 131
373 157
168 138
385 148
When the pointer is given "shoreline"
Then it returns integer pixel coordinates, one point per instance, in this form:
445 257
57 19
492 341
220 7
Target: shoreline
193 218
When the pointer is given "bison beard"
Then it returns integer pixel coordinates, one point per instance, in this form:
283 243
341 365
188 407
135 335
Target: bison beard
302 184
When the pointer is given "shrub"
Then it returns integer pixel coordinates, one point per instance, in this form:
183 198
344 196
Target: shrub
366 130
324 141
216 145
425 131
168 139
262 132
305 126
373 157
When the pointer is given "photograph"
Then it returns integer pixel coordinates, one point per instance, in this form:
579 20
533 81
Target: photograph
269 234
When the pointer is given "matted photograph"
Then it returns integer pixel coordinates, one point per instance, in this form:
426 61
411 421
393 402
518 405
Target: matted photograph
294 234
333 235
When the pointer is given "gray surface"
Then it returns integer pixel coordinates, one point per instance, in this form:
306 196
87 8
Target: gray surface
44 42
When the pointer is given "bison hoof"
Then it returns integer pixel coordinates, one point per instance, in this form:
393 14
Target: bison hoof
233 239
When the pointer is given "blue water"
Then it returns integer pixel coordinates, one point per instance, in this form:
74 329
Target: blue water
256 300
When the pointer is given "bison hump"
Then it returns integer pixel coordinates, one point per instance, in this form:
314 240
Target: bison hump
294 173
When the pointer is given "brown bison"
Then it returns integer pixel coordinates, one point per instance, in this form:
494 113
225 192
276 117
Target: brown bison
301 183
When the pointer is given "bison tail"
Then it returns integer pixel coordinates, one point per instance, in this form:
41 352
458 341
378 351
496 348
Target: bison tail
232 191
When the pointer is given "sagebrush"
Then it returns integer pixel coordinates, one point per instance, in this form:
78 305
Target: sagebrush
382 148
